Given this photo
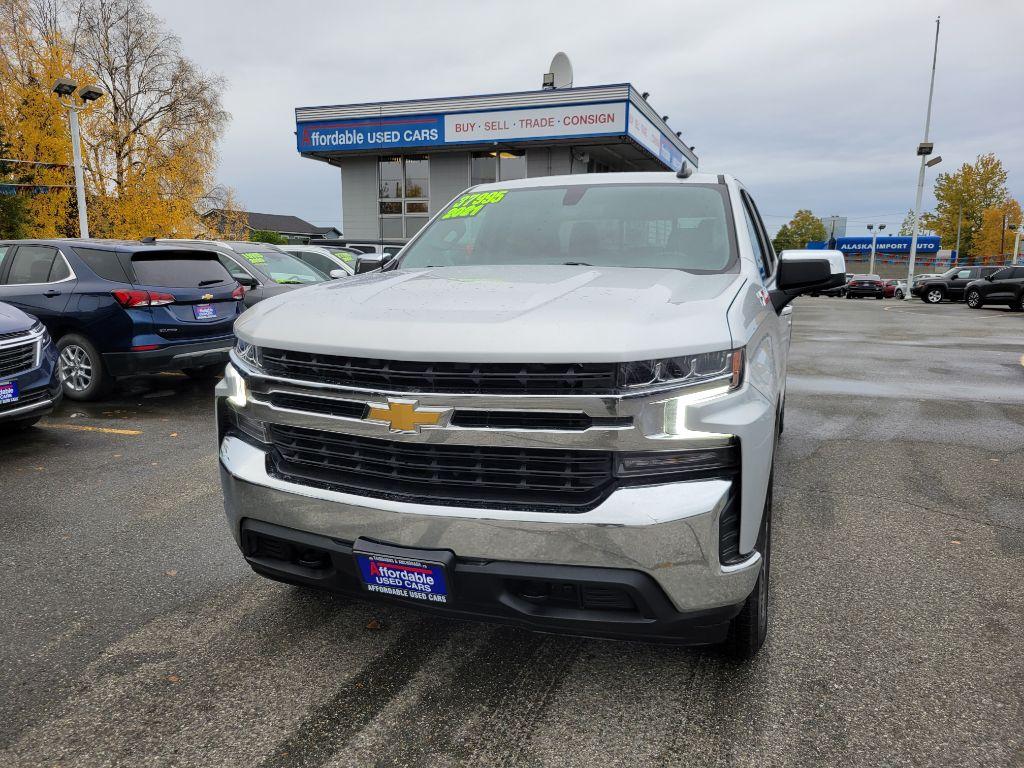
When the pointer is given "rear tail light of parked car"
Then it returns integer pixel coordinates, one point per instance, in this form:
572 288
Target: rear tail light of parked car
133 298
238 294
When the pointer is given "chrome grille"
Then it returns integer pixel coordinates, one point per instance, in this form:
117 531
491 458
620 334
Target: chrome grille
17 358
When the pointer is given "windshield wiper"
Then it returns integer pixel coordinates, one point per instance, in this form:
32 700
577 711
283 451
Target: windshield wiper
576 264
209 282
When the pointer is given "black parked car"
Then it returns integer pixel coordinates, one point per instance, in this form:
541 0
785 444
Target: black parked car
122 307
870 286
29 386
1005 286
950 284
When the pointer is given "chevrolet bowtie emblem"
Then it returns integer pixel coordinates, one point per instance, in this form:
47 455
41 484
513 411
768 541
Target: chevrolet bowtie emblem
405 416
207 296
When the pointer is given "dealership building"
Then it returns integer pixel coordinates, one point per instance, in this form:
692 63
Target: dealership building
402 161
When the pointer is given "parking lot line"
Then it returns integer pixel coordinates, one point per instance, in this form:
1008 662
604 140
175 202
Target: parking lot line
85 428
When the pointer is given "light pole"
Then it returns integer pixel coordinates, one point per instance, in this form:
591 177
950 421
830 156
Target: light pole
1016 241
65 89
874 235
923 150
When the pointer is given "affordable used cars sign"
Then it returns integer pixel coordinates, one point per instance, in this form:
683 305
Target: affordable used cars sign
374 133
461 128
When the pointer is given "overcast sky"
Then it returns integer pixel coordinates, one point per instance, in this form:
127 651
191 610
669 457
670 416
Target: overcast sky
814 105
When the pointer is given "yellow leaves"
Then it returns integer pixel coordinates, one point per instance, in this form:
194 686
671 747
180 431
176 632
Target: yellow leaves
993 240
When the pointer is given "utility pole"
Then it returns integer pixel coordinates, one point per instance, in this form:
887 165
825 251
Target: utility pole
923 150
959 222
1016 242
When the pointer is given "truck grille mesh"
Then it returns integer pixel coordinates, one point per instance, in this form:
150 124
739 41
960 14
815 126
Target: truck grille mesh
467 378
450 474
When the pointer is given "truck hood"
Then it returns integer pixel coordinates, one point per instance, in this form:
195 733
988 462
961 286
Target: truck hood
502 313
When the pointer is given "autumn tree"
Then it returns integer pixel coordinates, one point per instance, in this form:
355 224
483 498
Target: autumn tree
968 192
994 240
33 123
801 229
149 144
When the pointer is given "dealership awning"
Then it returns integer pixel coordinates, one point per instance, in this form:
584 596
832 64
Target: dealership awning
613 122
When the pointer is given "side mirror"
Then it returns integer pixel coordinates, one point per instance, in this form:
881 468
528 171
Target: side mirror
368 263
338 274
246 281
806 270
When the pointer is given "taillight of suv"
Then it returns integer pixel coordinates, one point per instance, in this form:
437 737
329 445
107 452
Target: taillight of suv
129 299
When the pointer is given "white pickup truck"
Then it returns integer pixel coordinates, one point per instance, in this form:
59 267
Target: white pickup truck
558 408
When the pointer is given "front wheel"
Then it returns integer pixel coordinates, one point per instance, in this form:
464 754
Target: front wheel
933 296
974 299
898 294
747 632
81 369
1017 305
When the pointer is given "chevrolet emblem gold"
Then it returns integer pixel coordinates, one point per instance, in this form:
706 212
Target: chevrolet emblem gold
207 296
405 416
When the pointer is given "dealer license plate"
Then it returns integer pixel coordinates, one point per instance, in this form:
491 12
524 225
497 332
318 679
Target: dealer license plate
205 311
407 577
8 392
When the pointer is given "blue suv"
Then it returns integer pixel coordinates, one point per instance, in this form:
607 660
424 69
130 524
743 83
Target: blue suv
29 387
117 308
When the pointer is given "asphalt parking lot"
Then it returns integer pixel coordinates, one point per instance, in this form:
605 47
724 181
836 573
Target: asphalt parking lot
131 632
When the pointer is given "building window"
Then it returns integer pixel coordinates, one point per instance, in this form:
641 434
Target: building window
488 167
403 189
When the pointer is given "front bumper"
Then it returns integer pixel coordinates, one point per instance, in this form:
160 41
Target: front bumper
39 388
667 533
171 358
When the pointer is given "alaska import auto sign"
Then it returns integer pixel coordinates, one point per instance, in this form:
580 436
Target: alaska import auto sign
461 128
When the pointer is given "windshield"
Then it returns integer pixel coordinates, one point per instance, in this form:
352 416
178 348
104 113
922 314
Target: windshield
282 267
661 226
346 255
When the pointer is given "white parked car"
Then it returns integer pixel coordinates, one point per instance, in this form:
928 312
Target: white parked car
557 408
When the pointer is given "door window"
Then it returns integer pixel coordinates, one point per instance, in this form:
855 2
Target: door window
317 260
31 265
963 274
755 241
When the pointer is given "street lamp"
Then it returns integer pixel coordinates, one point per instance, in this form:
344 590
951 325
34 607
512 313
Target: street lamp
924 149
65 88
874 235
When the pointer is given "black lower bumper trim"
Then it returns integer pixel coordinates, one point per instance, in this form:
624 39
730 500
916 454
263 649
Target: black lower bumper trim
172 358
566 599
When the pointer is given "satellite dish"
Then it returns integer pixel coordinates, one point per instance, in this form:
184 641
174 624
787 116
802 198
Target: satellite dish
560 72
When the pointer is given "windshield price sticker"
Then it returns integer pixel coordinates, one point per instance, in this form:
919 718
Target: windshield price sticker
473 203
254 258
402 577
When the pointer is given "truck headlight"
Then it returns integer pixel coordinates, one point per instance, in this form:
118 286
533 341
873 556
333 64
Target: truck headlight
249 354
235 382
667 418
686 370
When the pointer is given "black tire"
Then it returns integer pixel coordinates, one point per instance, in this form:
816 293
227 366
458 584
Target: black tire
82 373
748 630
849 296
880 296
974 300
1017 304
205 373
933 295
898 294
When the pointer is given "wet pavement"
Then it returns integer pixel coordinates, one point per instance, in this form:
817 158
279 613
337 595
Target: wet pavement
131 632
